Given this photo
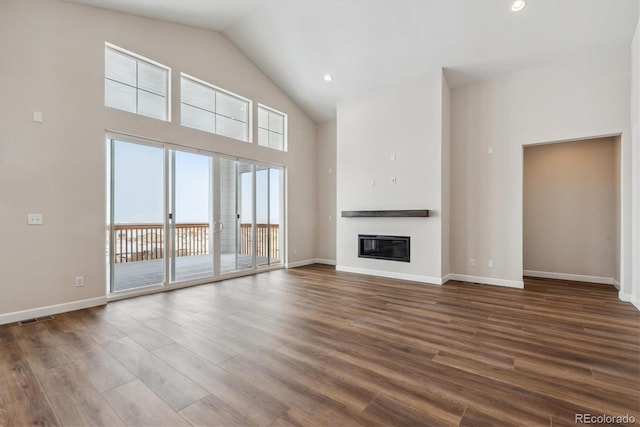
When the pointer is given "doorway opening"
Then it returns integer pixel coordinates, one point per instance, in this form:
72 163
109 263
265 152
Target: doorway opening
571 210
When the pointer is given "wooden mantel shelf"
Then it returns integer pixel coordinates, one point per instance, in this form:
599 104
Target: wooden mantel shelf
406 213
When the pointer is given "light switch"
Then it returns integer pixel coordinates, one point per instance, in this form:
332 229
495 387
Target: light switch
37 116
34 219
490 150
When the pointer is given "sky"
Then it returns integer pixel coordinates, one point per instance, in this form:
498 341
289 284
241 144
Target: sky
139 187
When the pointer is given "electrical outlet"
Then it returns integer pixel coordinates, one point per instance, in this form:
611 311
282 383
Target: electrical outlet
472 262
490 263
79 281
34 219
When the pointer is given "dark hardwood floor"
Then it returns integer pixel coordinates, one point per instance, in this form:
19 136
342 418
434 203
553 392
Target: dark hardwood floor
311 346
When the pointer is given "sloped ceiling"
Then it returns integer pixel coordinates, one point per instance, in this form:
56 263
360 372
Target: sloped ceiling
364 44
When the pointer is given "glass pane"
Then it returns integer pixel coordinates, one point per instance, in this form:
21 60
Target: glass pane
138 194
275 203
192 216
152 105
236 216
276 122
263 118
119 67
276 141
228 236
263 137
117 95
262 216
245 212
230 106
231 128
198 119
152 78
198 95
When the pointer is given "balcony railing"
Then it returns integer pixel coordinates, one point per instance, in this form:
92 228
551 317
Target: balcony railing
268 240
140 242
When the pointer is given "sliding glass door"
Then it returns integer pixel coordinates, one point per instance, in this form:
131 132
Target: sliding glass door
269 186
177 216
136 228
191 216
236 216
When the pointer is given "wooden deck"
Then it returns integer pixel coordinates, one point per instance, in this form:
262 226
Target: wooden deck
137 274
312 346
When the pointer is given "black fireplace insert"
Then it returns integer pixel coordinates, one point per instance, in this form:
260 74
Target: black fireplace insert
392 248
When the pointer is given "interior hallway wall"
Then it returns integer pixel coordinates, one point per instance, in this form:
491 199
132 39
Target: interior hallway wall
570 210
582 97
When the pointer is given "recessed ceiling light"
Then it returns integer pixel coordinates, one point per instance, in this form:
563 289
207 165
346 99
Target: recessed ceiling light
518 5
328 77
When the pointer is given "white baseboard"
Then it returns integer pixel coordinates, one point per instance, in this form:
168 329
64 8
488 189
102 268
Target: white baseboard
49 310
519 284
633 299
391 275
625 297
573 277
616 284
325 261
300 263
311 261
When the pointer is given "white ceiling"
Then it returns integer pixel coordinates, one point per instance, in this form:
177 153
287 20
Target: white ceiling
367 43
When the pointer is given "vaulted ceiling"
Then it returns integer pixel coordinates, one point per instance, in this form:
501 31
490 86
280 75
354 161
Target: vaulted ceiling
364 44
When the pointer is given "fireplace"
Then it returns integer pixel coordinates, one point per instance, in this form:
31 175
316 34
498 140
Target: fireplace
391 248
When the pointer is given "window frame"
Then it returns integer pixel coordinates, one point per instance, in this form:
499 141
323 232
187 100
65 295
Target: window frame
216 90
285 125
141 58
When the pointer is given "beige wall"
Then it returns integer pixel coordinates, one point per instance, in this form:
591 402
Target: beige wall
632 292
446 178
326 192
570 209
578 98
53 61
617 161
402 119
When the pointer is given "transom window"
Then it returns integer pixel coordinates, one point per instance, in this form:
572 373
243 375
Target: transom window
272 128
211 109
135 84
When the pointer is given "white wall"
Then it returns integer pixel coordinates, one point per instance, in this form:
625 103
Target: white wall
53 61
578 98
446 178
326 192
632 291
617 155
402 119
570 213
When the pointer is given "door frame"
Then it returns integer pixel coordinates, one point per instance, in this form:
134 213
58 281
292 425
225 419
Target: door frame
214 233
